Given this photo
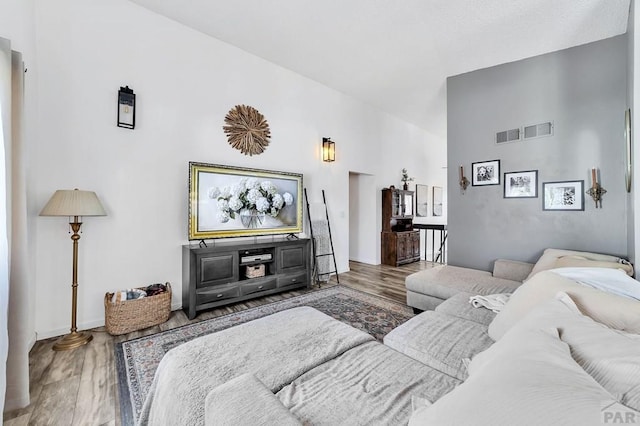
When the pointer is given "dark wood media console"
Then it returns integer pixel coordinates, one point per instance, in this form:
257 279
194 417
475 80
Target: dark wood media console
217 275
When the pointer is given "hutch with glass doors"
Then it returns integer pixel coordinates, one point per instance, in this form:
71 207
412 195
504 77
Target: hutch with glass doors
400 243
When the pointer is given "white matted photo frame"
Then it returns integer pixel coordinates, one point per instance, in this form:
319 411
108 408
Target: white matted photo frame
485 173
522 184
437 200
563 195
422 200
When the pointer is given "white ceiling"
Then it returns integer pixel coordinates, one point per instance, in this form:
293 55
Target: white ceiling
396 55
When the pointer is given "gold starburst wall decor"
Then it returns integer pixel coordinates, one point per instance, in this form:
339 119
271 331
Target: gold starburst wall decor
247 130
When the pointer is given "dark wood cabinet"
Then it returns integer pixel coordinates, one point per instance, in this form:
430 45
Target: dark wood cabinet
399 242
217 275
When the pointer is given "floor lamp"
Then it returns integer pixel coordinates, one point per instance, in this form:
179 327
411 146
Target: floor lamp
73 203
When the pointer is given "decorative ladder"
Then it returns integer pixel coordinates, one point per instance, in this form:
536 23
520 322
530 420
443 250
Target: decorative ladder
318 242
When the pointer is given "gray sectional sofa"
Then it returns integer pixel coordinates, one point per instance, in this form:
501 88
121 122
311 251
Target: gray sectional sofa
441 367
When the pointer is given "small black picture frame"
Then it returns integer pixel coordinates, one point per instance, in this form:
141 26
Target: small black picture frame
485 173
565 195
522 184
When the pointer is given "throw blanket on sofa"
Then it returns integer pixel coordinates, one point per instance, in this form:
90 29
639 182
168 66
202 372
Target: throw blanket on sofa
276 349
613 281
493 302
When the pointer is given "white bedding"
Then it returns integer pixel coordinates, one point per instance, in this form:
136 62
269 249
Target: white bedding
614 281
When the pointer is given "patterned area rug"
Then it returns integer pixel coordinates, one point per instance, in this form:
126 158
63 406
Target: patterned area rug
137 360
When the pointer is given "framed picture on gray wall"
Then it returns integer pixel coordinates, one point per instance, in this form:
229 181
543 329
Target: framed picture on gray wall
521 184
485 173
565 195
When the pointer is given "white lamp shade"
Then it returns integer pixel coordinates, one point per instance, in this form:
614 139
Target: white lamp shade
73 202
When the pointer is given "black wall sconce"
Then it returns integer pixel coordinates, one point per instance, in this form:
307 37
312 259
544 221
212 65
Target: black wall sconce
126 108
328 150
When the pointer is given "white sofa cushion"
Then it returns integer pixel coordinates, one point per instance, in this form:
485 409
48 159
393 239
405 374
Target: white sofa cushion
617 312
245 400
440 341
551 255
611 357
527 378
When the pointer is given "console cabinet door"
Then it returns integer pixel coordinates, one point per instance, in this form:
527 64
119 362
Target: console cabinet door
292 258
217 269
402 247
415 242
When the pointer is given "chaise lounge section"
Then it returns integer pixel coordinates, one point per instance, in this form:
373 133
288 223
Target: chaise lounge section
430 287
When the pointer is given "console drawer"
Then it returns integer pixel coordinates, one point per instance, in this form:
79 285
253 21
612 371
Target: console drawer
258 286
292 279
212 294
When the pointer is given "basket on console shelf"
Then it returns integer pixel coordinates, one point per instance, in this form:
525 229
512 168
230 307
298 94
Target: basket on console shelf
125 316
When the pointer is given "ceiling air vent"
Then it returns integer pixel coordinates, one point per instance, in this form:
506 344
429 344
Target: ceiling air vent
538 130
508 136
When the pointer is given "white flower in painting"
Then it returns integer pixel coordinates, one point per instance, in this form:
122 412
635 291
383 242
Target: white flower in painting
268 187
274 212
288 198
252 183
235 204
262 204
223 205
277 201
225 192
252 196
236 190
223 216
214 191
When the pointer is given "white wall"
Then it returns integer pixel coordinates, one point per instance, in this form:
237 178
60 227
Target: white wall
185 83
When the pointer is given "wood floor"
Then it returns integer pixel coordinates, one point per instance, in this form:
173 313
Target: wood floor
79 387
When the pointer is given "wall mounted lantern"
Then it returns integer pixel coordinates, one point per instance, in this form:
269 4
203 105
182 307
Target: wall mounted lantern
328 150
126 108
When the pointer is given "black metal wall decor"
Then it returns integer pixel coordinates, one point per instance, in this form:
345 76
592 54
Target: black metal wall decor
126 108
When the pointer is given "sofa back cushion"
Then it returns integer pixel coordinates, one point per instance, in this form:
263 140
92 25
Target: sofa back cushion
527 378
550 256
617 312
611 357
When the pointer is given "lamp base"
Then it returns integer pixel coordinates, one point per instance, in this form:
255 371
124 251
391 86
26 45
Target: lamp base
72 340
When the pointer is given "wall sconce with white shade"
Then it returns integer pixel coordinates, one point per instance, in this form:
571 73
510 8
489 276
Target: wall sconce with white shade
126 108
328 150
73 203
596 191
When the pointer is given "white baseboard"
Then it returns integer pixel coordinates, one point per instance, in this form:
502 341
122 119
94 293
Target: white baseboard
40 335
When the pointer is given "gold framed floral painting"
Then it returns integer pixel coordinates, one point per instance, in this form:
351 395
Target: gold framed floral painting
226 201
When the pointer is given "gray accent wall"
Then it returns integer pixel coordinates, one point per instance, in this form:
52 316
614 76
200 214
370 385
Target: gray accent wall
583 90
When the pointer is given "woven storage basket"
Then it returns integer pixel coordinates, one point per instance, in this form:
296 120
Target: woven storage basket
254 271
131 315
